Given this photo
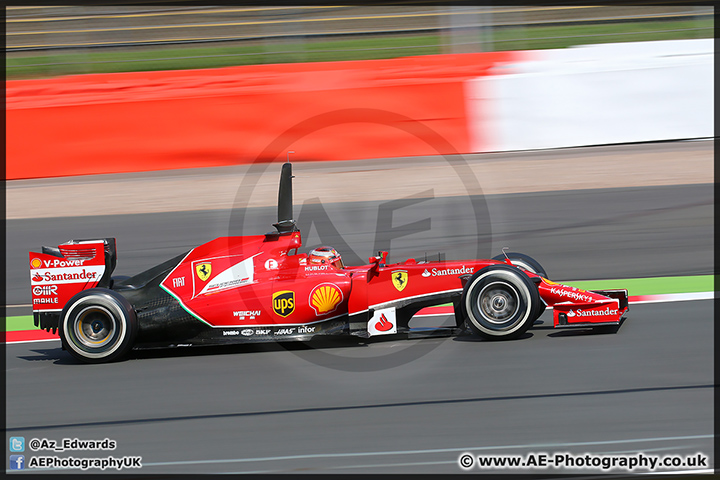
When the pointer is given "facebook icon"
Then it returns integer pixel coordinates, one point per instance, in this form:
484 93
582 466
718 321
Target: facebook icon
17 462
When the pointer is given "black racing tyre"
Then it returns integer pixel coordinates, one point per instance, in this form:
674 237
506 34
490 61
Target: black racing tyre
500 302
525 262
98 325
528 263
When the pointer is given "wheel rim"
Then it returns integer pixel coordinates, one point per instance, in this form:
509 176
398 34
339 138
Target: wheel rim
498 303
95 327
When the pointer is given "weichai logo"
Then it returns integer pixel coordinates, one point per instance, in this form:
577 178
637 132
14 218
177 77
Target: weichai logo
283 302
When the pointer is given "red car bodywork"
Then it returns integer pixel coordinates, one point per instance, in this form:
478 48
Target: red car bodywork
258 281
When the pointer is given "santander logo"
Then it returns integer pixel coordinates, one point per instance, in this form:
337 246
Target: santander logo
440 272
383 325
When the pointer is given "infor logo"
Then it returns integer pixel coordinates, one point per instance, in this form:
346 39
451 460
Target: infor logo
284 302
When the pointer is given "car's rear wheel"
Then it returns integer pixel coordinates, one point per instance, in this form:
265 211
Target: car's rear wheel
500 302
98 325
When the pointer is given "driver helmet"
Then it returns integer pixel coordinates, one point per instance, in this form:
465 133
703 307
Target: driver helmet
325 256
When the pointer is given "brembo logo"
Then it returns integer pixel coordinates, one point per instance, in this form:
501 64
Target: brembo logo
573 295
447 271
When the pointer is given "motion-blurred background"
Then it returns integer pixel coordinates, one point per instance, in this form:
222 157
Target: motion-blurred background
48 41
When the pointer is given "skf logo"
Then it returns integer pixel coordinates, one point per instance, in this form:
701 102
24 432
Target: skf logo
203 271
325 298
35 263
284 303
400 279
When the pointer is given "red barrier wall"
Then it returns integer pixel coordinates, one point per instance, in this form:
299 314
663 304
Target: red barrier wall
110 123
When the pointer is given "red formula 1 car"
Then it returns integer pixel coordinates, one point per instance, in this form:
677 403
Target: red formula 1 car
259 288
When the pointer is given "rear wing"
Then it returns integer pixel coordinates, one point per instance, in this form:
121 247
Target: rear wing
58 273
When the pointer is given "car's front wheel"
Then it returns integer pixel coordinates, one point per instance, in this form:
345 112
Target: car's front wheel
500 302
98 325
523 261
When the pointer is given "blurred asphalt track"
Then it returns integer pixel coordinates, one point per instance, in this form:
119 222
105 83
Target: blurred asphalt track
269 408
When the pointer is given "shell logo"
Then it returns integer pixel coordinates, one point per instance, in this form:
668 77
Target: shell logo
325 298
35 263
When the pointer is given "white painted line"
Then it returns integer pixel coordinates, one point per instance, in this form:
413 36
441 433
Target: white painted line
537 446
344 467
683 472
34 341
673 297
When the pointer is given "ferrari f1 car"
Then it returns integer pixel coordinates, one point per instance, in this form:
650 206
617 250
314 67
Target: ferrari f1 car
259 289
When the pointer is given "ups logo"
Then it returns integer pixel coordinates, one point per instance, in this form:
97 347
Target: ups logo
284 302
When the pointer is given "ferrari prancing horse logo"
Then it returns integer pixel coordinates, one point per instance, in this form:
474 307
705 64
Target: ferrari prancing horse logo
203 271
400 279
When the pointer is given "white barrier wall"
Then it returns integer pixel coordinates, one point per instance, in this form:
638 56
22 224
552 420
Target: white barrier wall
595 95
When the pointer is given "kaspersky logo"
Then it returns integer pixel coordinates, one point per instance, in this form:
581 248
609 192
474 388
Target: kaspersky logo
283 302
573 295
325 298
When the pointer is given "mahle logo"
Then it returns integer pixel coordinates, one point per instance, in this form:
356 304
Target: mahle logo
283 302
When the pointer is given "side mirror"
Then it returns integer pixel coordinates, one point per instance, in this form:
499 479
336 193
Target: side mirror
383 257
